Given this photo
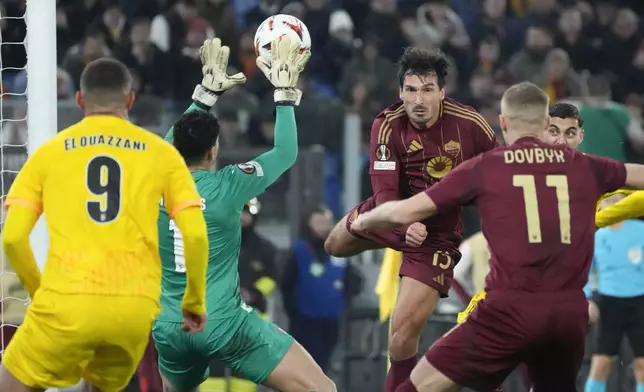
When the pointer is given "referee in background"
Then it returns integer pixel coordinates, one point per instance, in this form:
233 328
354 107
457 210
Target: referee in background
619 306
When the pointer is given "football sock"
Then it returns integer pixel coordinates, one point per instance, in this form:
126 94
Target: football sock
406 386
399 372
595 386
639 388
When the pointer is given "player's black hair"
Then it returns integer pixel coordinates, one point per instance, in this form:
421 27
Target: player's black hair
565 111
105 77
423 62
195 134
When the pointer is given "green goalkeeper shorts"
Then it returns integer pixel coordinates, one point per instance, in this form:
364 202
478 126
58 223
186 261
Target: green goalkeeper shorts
245 342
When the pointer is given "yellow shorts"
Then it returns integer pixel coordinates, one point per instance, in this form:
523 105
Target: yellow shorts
66 337
478 297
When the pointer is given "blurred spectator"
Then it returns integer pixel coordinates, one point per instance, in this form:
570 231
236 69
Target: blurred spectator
64 35
261 131
376 71
488 60
481 91
246 58
13 138
557 77
571 38
383 22
327 64
168 30
230 136
543 12
186 69
112 23
263 10
91 48
622 42
141 55
220 15
604 14
527 63
631 81
443 26
13 32
609 128
493 21
295 9
316 18
315 289
257 261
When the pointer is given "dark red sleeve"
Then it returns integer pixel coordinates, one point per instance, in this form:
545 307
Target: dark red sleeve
383 162
458 188
609 173
484 134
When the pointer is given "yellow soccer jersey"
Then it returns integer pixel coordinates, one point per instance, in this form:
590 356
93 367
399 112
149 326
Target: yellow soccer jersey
99 183
629 208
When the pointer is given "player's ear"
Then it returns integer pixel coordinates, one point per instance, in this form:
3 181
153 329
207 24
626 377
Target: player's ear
131 97
400 93
442 92
79 100
581 139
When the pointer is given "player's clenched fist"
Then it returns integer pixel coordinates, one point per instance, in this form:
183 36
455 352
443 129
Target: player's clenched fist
282 67
416 234
214 61
193 323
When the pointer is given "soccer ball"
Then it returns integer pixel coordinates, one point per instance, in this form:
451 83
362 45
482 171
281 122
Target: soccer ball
279 25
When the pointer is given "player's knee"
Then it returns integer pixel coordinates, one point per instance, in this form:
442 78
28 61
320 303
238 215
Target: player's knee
600 367
405 334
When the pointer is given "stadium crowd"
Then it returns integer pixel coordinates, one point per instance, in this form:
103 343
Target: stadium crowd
590 52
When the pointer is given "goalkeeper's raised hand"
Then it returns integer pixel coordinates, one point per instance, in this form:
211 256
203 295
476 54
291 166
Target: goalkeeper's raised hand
282 67
214 61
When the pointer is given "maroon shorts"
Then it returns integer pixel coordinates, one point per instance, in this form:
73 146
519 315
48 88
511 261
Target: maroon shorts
431 265
546 332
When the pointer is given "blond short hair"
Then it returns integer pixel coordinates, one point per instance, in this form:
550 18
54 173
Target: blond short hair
525 104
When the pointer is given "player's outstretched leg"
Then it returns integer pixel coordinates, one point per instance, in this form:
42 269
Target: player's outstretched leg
416 302
341 243
298 372
8 382
426 378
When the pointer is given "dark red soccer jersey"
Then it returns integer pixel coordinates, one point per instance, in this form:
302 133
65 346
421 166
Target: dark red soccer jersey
405 161
537 206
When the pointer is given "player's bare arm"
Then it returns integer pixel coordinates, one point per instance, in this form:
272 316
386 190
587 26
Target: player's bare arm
396 214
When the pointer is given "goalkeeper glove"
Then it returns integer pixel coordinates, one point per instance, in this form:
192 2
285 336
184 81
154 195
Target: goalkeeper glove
283 67
214 60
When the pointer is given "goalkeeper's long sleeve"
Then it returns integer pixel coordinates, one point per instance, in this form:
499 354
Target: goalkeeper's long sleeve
15 241
284 152
629 208
195 250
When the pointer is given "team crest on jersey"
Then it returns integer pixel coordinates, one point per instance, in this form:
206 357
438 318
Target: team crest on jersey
251 167
383 153
452 147
438 167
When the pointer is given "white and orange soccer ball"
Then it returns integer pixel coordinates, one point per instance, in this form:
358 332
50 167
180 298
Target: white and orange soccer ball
280 25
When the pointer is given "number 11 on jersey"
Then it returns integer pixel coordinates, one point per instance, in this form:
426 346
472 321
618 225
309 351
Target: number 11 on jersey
529 187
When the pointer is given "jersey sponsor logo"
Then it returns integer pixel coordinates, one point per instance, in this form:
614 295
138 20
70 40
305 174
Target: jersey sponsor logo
438 167
452 147
252 167
384 165
414 146
383 153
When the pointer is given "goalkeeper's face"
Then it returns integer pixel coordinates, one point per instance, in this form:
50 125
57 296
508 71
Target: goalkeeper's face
564 131
422 97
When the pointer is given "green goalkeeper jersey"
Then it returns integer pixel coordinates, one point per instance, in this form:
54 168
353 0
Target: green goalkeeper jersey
223 195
